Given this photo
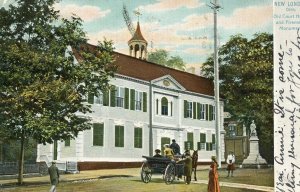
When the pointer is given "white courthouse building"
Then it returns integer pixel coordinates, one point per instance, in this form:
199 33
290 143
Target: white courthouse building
145 98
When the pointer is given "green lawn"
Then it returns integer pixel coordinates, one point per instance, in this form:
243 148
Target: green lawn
264 177
125 185
134 184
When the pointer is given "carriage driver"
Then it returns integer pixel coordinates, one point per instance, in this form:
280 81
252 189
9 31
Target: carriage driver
187 166
168 151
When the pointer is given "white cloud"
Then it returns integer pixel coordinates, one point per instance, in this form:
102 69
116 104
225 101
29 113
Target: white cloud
120 36
86 13
249 17
165 5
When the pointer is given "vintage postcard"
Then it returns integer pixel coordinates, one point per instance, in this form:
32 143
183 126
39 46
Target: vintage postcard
194 95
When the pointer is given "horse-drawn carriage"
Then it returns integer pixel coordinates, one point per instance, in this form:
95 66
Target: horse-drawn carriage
168 168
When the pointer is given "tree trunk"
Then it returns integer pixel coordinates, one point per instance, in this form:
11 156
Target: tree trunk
21 161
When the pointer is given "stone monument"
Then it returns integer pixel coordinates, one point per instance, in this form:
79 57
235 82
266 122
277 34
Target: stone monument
254 159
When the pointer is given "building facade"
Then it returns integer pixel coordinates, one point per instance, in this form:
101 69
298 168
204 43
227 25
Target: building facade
147 106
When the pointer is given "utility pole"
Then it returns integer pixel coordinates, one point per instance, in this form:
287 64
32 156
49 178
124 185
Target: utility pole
215 6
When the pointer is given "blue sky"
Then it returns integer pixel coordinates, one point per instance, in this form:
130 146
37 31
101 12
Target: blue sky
183 28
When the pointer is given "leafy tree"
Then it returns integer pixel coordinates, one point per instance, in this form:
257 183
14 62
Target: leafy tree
161 57
246 82
41 87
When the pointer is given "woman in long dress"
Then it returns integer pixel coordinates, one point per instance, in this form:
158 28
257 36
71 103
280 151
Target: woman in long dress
213 182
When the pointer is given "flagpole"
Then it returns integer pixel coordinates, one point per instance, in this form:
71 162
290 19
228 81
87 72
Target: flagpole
215 6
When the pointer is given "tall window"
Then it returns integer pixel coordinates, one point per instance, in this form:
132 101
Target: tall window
202 142
190 110
119 136
98 99
93 99
213 142
98 130
189 144
138 137
120 94
138 100
164 106
202 111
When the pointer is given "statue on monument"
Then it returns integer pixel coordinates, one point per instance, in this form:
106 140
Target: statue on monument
253 129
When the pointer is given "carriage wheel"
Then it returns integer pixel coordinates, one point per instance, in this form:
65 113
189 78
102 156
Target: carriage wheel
146 173
169 173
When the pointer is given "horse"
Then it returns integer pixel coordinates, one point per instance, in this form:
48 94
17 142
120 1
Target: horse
195 163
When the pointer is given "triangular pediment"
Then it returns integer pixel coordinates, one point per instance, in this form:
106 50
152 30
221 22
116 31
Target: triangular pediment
169 82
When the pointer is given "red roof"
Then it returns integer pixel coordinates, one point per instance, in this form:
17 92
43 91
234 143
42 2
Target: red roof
147 71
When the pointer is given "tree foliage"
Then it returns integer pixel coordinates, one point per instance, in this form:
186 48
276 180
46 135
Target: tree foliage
162 57
246 82
42 89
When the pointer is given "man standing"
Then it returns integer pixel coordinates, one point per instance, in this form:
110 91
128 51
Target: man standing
54 176
187 166
230 163
175 147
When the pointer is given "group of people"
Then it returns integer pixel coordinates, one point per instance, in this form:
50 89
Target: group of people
213 182
170 151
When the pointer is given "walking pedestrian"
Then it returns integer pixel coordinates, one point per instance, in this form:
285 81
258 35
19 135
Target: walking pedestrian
54 176
213 182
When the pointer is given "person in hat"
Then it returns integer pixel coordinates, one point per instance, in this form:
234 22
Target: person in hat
54 176
213 182
175 147
168 151
187 160
230 163
157 153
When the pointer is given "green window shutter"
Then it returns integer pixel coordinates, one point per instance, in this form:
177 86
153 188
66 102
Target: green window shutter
190 138
202 137
210 146
210 112
119 136
138 140
90 98
132 99
198 145
206 112
67 142
213 138
144 102
198 110
194 110
185 108
55 150
113 96
105 98
98 130
126 98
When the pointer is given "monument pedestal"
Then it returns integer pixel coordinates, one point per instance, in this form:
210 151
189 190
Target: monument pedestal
254 160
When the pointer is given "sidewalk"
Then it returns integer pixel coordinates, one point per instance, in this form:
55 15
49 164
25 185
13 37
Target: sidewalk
107 173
